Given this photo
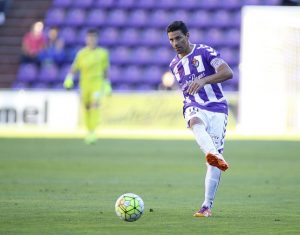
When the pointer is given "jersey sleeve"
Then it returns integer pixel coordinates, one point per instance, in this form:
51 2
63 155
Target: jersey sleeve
106 61
213 57
76 62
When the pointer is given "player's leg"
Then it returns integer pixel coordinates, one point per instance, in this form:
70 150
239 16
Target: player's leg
217 130
93 115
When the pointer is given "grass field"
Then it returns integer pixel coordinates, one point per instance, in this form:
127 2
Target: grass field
62 186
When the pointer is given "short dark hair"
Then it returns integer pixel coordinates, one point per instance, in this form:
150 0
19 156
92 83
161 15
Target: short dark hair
92 31
177 25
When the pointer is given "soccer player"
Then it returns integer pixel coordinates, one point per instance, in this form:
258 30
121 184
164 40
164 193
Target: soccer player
199 71
92 62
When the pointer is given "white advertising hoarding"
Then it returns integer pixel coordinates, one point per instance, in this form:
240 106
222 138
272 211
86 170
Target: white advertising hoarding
57 110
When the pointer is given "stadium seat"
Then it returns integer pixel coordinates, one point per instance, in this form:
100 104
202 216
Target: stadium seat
141 56
69 35
109 36
96 18
149 4
120 55
129 37
55 17
126 4
138 18
27 73
232 37
199 19
75 17
117 18
152 37
104 4
62 3
152 75
48 73
132 75
82 4
159 18
220 18
115 75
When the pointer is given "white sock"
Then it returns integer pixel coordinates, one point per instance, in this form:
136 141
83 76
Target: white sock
212 179
203 139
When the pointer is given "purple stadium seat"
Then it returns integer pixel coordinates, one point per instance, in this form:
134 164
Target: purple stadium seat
141 56
159 18
82 4
117 17
48 73
152 37
129 37
200 18
145 87
63 73
162 56
220 18
69 35
20 85
96 18
272 2
102 4
149 4
180 15
126 4
214 37
232 37
39 86
188 4
167 4
152 75
196 35
231 4
27 73
236 19
132 74
81 35
138 18
252 2
120 55
109 36
231 56
75 17
55 17
62 3
115 74
209 5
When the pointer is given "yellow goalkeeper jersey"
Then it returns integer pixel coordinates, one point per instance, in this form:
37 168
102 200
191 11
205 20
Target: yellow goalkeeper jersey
92 65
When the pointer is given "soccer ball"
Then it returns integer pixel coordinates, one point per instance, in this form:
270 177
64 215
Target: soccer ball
129 207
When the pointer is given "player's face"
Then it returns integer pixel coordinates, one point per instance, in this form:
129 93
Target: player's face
179 41
91 40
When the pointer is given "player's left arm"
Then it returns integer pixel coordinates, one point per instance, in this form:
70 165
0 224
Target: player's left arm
223 73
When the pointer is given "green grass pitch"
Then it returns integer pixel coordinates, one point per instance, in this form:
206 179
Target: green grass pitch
60 186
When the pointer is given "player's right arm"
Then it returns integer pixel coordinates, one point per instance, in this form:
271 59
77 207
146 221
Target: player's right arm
69 79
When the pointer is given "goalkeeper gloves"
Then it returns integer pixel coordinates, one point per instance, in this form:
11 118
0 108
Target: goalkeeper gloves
69 83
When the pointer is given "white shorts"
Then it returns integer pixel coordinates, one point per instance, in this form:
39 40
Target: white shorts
215 124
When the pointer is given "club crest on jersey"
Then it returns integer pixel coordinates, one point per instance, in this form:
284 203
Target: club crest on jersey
195 62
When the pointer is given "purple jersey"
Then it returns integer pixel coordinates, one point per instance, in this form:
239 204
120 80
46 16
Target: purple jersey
199 63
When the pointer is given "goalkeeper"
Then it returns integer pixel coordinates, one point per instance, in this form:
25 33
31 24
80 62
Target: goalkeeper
92 62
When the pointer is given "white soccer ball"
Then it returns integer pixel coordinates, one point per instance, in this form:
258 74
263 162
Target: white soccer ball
129 207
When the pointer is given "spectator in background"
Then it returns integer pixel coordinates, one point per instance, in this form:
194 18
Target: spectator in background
33 43
54 49
4 5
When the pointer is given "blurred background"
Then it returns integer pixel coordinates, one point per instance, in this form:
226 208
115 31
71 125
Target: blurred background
145 95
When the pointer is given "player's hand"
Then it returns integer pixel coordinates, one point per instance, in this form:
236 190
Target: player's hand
195 86
68 83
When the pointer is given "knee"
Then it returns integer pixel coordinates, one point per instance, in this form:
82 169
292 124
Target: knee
194 121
